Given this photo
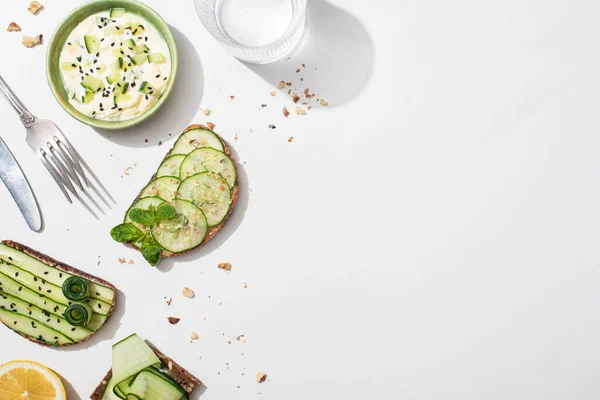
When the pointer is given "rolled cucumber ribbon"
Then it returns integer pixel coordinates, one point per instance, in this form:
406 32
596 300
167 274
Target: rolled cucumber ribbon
76 288
78 314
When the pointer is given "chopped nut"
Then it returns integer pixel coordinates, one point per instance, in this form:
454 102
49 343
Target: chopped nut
296 98
130 262
34 7
169 301
272 93
298 70
160 143
261 377
303 66
13 27
189 293
30 42
290 139
225 265
210 125
300 111
232 97
323 103
207 111
285 112
281 85
173 320
194 336
288 84
122 260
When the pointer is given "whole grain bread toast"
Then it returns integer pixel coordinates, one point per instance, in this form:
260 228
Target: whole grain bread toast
187 381
66 268
234 196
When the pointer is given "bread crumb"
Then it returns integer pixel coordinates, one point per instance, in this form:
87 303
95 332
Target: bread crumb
122 260
194 336
232 97
189 293
130 262
323 103
281 85
271 126
207 111
225 265
173 320
290 139
261 377
13 27
288 84
30 42
272 93
34 7
298 70
295 98
169 301
245 285
235 137
210 125
300 111
286 113
160 143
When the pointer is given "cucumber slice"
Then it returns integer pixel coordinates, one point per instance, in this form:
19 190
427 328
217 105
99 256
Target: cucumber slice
171 166
29 327
114 30
194 139
117 12
146 88
210 193
184 232
208 159
141 49
130 356
151 384
144 204
139 59
155 58
92 44
92 84
108 394
164 187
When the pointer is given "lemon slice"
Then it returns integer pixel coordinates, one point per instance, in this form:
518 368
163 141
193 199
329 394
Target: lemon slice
28 380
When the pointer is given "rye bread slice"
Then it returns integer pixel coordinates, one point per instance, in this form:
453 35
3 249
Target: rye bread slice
234 195
187 381
65 268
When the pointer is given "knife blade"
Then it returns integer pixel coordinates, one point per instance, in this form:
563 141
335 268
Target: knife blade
16 183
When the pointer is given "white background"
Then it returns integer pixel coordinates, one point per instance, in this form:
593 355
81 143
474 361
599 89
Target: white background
432 234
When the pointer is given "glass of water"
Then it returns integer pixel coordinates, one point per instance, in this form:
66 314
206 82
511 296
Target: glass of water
255 31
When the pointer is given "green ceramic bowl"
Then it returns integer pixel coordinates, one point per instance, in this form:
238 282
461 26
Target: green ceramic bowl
59 39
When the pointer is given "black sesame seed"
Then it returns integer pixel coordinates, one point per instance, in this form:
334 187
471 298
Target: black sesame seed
69 43
16 274
120 109
48 291
102 40
60 275
35 279
158 76
146 39
20 288
73 65
91 70
112 44
117 27
97 54
45 272
99 305
72 329
14 323
146 97
151 92
95 61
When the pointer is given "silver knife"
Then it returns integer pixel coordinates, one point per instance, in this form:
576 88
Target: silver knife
14 179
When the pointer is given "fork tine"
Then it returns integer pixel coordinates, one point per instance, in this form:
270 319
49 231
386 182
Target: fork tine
68 163
54 176
62 173
61 139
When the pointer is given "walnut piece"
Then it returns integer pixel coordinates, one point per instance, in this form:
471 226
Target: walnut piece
261 377
30 42
210 125
207 111
194 336
285 112
295 98
281 85
34 7
13 27
225 265
323 103
189 293
173 320
300 111
290 139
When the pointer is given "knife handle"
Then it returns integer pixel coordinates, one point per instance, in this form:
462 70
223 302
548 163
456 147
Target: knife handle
24 114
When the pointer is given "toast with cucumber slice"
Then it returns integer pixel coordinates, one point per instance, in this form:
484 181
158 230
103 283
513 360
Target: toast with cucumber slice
140 371
187 201
48 302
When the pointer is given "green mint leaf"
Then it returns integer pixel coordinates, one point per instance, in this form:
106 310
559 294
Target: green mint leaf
126 233
144 217
151 251
165 211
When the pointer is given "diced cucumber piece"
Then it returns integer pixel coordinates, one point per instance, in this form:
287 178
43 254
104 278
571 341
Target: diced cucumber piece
155 58
164 187
209 159
100 68
143 204
114 30
121 88
184 232
118 52
117 12
68 66
196 138
210 193
141 49
117 64
122 98
130 356
101 21
139 59
146 88
171 166
92 44
114 77
129 43
86 98
137 29
92 83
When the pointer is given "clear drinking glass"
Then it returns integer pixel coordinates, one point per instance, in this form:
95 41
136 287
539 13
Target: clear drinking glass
255 31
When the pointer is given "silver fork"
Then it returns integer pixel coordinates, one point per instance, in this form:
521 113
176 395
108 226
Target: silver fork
62 161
